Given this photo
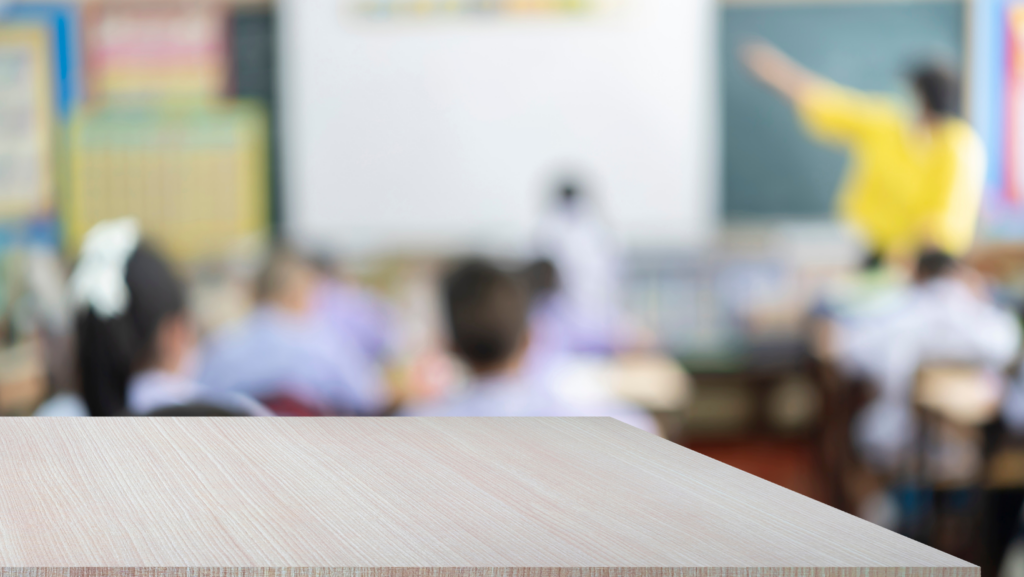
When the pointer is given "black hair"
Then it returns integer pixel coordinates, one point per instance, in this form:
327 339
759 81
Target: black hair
540 278
486 310
938 87
932 264
195 410
111 350
568 192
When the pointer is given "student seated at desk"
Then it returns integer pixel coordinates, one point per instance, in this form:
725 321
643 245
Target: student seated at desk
945 318
354 313
555 326
134 335
287 358
487 315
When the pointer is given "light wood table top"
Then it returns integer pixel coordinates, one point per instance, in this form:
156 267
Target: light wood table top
410 497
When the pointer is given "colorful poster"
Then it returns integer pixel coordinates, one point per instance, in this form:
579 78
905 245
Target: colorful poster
26 122
1014 177
195 177
62 21
156 50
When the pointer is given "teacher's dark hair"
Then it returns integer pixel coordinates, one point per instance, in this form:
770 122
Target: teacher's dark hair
933 264
110 350
938 88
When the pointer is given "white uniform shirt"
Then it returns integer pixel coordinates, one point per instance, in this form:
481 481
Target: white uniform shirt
941 321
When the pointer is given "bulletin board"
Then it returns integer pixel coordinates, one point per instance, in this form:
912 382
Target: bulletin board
63 25
194 177
997 110
138 50
26 122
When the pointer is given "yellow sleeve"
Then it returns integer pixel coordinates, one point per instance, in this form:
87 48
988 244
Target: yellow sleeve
836 114
949 217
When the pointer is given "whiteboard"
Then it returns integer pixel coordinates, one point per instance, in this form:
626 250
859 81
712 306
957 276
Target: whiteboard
448 134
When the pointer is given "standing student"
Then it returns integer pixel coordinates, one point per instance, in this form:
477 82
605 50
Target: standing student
576 241
914 181
487 312
133 332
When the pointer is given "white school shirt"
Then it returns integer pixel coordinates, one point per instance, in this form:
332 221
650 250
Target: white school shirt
941 321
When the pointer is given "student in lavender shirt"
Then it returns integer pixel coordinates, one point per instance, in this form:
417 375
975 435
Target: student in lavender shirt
288 358
134 334
487 313
552 331
353 313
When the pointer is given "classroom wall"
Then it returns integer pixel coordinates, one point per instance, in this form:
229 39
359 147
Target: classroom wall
446 133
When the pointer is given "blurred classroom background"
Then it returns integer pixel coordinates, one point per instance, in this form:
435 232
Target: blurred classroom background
510 207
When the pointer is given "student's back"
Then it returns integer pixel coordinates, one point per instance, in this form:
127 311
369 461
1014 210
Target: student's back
557 387
355 314
285 356
944 319
277 356
487 313
496 396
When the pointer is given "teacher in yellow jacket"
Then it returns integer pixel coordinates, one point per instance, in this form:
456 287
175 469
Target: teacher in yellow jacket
913 183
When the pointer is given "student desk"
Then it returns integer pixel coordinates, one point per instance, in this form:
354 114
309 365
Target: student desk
395 497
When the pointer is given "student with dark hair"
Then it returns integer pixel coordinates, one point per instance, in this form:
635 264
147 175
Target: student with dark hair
914 181
133 331
945 317
487 310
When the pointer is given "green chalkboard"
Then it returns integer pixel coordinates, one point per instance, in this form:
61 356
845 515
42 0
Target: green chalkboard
771 168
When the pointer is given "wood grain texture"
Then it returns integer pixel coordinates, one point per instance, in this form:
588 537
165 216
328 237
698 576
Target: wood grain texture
241 497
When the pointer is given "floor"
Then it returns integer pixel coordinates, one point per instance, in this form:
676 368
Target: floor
790 463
